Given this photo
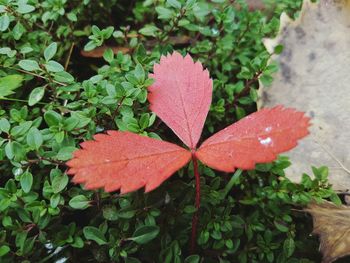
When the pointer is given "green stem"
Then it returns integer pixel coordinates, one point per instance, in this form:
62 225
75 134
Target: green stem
18 100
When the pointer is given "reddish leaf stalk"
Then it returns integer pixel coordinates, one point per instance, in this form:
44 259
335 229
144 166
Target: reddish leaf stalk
197 203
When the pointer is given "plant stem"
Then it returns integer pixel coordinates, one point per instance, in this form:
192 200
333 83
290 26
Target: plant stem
197 203
19 100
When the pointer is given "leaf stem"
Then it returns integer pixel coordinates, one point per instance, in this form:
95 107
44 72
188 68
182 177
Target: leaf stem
197 203
19 100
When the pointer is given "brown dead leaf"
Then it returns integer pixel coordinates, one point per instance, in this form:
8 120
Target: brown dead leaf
314 77
332 224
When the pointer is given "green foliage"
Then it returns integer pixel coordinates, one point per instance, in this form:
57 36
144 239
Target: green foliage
52 98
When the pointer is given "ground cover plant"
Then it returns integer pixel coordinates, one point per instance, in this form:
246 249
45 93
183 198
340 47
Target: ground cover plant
58 90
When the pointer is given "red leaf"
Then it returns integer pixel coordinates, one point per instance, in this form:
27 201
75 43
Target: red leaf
181 96
257 138
126 161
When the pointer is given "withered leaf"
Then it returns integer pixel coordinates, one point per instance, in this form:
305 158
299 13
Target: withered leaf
332 224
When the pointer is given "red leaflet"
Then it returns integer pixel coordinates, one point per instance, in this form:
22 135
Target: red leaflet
126 161
181 96
258 138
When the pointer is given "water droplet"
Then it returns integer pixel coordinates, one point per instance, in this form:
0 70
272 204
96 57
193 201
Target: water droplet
265 141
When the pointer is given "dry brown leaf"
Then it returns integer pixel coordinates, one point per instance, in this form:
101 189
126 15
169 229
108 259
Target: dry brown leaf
314 77
332 224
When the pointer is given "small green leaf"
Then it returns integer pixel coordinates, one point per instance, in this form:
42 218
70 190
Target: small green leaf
59 182
29 65
110 213
5 125
34 138
90 46
281 226
79 202
54 66
108 55
50 51
93 233
54 200
149 30
4 22
174 3
4 250
26 181
288 247
139 73
18 31
9 83
52 118
145 234
36 95
24 8
65 153
164 13
192 259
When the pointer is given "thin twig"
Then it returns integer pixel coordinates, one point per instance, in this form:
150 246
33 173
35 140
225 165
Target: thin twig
69 56
35 75
332 155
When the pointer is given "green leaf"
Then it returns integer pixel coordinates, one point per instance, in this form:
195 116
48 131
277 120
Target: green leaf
145 234
5 125
29 65
54 66
52 118
93 233
164 13
36 95
174 3
64 77
4 22
9 83
65 153
149 30
26 181
110 213
192 259
54 200
90 46
4 250
108 55
59 182
15 150
34 138
288 247
79 202
139 73
18 31
50 51
281 226
25 8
